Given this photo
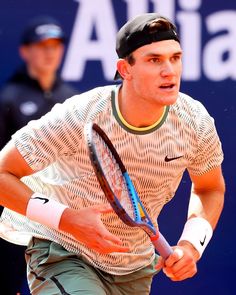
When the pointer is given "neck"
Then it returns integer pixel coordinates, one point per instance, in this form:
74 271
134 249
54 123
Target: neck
45 80
138 112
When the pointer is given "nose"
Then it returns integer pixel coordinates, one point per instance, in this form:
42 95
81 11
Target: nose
167 69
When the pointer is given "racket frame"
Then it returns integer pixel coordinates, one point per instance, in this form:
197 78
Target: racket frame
157 239
112 198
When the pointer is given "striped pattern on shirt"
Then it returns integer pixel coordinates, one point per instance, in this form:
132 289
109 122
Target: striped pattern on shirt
54 147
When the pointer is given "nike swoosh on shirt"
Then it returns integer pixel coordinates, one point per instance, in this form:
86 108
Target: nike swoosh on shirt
167 159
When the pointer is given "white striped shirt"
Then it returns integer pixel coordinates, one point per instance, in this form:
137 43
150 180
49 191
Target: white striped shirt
156 158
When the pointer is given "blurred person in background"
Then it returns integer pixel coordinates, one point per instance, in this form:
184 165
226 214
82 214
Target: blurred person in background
30 93
36 86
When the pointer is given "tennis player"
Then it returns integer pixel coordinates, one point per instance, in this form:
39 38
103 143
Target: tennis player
76 243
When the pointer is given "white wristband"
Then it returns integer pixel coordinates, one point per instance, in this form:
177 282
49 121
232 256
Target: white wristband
44 210
198 232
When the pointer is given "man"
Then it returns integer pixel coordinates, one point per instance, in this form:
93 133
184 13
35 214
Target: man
30 93
159 133
35 87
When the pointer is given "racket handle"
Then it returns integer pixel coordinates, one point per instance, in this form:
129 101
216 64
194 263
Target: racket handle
162 246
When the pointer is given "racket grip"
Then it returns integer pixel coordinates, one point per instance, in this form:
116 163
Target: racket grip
162 246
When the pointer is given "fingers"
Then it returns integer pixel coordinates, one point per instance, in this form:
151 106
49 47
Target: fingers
112 248
103 208
174 257
107 247
108 236
104 242
160 263
103 232
180 265
88 228
180 275
178 253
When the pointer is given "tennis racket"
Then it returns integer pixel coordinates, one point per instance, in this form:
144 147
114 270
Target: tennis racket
118 187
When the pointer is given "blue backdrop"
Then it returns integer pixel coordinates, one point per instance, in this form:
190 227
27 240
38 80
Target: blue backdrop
208 37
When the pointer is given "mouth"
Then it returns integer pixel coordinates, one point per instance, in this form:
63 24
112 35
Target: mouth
167 86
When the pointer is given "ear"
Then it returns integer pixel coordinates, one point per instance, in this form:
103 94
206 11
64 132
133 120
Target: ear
123 69
23 52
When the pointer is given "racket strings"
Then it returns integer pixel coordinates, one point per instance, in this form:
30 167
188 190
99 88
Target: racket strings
114 175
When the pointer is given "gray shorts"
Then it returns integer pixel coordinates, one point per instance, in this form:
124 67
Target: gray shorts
53 270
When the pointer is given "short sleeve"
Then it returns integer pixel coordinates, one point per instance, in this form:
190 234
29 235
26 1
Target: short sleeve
54 135
209 148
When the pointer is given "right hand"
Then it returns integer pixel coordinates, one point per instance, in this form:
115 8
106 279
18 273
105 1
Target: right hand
86 226
181 264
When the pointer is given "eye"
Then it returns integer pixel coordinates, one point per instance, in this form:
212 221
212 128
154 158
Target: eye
176 58
155 60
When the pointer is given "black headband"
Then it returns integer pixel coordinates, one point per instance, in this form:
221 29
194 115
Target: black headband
134 42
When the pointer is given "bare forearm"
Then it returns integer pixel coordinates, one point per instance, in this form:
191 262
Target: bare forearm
203 214
207 205
207 196
14 194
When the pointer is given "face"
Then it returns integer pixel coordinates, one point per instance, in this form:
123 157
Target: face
43 57
156 73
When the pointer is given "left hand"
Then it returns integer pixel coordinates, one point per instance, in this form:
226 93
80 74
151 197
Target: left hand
181 264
